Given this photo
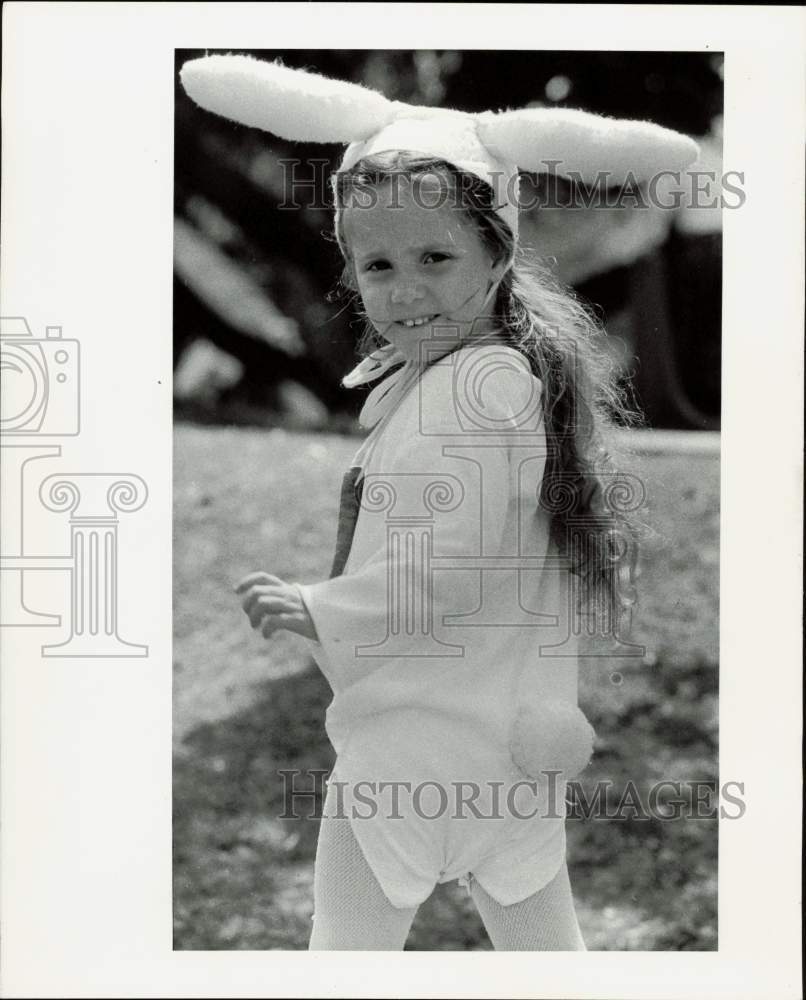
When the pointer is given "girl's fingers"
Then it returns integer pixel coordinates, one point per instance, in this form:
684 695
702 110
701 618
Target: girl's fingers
269 627
272 624
256 578
266 605
256 593
265 599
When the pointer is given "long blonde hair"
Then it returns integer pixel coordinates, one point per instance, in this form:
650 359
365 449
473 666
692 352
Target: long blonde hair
593 506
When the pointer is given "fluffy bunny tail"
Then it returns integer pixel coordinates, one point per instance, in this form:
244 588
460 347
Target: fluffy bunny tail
551 736
290 103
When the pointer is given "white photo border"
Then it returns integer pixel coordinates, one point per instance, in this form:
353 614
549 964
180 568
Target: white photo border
88 94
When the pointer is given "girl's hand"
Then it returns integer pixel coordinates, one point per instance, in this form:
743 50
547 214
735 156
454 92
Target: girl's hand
271 605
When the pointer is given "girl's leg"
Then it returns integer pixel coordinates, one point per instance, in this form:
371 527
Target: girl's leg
351 911
545 921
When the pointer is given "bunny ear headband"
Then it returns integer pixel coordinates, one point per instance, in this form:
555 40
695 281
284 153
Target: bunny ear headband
306 107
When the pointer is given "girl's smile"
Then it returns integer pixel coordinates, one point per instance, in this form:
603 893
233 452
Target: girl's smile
420 267
418 322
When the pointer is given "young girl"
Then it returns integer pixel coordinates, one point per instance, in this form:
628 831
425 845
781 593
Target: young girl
473 528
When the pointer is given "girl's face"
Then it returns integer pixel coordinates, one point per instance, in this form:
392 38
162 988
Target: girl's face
420 266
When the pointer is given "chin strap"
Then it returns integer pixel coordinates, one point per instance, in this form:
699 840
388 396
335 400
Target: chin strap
374 366
385 396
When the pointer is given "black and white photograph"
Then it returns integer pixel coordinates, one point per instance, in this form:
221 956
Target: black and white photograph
402 476
520 296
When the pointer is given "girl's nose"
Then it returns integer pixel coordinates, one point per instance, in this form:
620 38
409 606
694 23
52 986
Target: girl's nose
406 292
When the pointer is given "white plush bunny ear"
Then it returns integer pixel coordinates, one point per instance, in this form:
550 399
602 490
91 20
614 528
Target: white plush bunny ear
290 103
585 144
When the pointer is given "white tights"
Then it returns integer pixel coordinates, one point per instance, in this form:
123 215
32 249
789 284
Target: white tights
352 913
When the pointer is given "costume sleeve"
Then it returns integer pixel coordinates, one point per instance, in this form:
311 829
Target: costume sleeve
442 493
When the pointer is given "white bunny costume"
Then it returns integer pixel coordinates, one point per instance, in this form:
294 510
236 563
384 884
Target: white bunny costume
461 651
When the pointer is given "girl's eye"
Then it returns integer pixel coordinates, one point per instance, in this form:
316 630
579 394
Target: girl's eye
436 257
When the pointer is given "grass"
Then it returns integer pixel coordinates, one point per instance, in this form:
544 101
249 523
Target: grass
243 707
